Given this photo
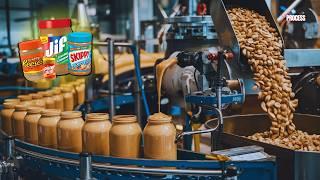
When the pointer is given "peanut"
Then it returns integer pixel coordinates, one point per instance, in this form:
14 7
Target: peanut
262 46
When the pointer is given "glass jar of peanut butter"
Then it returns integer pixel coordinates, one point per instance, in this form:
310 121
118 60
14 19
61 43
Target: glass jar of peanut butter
125 137
47 128
74 92
18 121
31 124
70 131
80 88
58 98
6 117
95 134
37 100
53 35
159 138
68 102
25 99
49 99
31 54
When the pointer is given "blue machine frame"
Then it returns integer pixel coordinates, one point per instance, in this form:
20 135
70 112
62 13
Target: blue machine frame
55 163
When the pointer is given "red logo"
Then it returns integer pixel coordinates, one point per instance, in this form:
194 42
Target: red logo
79 55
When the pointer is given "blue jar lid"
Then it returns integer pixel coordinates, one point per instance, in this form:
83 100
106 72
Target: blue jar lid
80 37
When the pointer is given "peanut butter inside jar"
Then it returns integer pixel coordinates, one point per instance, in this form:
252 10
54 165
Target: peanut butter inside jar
58 98
159 138
31 124
70 131
6 117
95 134
47 128
125 137
37 100
18 121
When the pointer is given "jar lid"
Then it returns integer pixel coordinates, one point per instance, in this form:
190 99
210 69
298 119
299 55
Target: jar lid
71 114
41 93
47 93
66 89
54 23
80 37
29 45
9 105
159 117
36 95
125 118
50 112
12 100
97 116
21 107
56 90
24 97
34 110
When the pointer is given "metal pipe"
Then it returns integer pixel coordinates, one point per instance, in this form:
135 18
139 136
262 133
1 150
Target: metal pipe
9 148
136 19
216 141
287 11
111 78
137 88
85 166
201 131
7 11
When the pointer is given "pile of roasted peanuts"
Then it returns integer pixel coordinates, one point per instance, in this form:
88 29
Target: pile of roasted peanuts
262 46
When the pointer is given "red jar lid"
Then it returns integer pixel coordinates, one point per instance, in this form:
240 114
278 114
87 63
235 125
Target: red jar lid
55 23
29 45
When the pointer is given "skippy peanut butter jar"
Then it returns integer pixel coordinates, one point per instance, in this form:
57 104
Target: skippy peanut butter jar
79 44
53 35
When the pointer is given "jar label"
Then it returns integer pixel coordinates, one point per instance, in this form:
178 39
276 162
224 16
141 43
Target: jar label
32 64
49 69
55 47
80 59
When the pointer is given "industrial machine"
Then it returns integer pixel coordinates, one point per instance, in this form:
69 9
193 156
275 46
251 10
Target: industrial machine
197 42
210 77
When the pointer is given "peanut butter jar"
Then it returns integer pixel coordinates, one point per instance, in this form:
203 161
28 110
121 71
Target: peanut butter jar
95 134
31 124
37 100
80 88
74 93
6 117
68 101
18 121
49 100
25 99
58 98
125 137
159 138
70 131
47 128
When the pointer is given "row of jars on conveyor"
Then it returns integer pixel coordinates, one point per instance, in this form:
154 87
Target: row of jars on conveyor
57 126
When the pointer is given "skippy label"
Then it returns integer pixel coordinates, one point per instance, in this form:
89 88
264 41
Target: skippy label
79 59
55 47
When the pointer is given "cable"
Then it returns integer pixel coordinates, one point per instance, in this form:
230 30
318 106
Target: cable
139 78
